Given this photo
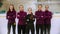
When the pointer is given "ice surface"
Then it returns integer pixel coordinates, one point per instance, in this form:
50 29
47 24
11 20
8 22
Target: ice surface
55 24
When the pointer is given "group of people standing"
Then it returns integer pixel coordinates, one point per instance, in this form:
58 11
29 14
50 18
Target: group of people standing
26 21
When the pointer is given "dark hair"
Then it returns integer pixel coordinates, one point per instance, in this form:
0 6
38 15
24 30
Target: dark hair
13 7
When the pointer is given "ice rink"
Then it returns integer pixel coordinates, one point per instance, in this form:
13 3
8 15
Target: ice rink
55 24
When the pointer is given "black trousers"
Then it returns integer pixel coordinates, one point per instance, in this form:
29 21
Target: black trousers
47 28
39 26
21 28
30 27
13 27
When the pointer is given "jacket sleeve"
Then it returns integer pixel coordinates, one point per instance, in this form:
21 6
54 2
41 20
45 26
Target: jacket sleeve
18 15
33 18
26 19
7 15
23 17
36 15
14 16
49 16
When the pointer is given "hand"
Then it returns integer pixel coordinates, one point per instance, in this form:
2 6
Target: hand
14 23
18 15
8 16
41 16
33 19
26 22
27 19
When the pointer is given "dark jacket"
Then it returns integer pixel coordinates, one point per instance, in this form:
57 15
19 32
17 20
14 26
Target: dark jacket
30 18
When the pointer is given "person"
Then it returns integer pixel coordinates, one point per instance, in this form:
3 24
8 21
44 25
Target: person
30 22
39 14
11 16
47 20
21 20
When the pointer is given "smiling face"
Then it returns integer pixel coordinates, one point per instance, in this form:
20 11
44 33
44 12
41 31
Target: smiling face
21 7
39 7
29 10
46 7
11 7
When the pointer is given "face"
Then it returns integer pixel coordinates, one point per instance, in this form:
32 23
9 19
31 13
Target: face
46 7
11 7
39 7
21 8
29 10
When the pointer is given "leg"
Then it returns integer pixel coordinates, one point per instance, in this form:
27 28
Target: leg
41 28
37 29
14 27
23 29
49 28
44 28
9 28
32 29
19 29
27 29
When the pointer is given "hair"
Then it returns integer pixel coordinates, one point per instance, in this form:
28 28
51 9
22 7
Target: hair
40 5
31 17
46 5
13 7
21 5
29 8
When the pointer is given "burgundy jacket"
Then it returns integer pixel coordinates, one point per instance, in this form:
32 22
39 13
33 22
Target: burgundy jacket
11 16
48 16
21 16
39 17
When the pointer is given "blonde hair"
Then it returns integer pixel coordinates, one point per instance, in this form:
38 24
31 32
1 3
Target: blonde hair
29 8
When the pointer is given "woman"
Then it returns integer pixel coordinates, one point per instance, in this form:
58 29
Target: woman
11 15
39 14
21 20
30 22
47 20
